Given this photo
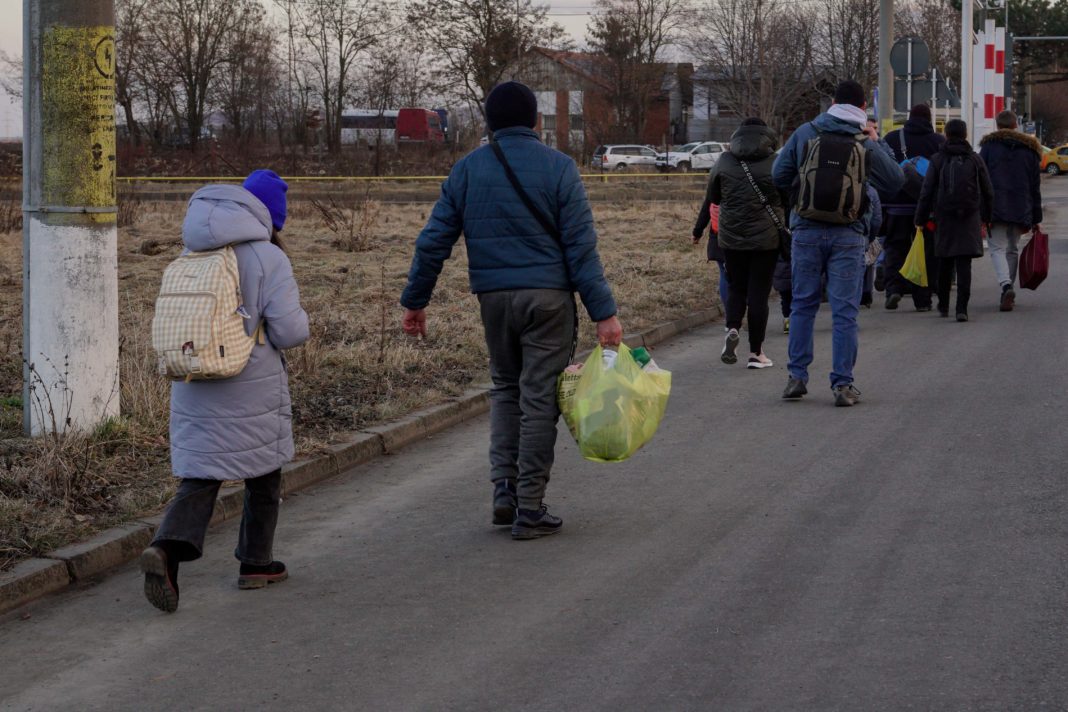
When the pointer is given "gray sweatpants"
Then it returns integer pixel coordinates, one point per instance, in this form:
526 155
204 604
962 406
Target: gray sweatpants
529 333
1004 241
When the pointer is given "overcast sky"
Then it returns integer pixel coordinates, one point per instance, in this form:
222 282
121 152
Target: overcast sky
572 14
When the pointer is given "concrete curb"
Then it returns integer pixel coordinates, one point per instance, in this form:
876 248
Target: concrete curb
35 578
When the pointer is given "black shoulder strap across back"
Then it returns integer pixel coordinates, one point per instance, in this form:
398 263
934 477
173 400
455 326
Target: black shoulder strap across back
543 220
546 224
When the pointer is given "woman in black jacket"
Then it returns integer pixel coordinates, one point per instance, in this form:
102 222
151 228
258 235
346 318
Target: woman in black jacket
958 192
740 183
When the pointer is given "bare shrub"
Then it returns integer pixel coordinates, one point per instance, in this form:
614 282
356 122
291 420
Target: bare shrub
353 226
130 212
10 216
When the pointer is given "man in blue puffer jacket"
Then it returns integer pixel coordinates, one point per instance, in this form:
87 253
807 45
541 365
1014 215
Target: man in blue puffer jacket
834 249
525 281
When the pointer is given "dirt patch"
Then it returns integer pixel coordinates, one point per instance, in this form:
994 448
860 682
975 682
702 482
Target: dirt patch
358 369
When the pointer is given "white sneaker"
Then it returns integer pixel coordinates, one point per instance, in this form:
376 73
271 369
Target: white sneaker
730 347
759 361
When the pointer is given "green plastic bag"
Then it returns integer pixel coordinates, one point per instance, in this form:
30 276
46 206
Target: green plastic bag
613 411
915 267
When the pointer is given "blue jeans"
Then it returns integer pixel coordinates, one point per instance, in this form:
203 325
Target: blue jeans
838 252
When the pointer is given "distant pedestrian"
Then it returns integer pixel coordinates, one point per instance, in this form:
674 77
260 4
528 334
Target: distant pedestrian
530 245
237 428
958 193
708 218
1013 160
916 142
830 221
751 227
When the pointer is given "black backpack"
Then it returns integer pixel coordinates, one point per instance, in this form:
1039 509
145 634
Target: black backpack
958 188
833 179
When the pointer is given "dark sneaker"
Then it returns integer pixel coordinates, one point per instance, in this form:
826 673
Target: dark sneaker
1008 298
943 310
866 300
786 325
880 278
535 523
730 347
961 316
161 579
259 576
504 504
892 300
845 396
924 308
795 388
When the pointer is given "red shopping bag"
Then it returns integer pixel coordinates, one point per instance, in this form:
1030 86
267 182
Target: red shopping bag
1034 260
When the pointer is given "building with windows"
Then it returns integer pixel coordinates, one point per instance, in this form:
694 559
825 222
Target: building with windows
575 101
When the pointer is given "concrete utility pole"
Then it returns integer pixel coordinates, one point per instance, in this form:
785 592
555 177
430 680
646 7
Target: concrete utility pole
70 258
886 73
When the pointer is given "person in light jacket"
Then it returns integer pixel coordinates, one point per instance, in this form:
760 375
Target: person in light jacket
238 428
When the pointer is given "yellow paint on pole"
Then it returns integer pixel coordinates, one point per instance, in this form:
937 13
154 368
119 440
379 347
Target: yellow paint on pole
78 120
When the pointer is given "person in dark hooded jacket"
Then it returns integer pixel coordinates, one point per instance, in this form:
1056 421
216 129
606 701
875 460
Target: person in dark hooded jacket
957 191
748 233
917 139
1013 160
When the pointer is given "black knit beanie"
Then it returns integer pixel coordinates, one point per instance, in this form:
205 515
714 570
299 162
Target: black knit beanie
511 104
920 112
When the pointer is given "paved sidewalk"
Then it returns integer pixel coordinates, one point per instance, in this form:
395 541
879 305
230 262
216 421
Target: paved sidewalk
759 555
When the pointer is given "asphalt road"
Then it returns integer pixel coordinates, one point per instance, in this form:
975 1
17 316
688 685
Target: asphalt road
908 553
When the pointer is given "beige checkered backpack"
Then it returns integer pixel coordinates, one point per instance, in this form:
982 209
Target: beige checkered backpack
198 331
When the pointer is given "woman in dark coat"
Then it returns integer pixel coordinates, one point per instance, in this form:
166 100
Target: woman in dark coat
958 193
748 233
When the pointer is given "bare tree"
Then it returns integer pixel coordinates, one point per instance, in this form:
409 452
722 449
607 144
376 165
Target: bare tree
937 23
129 47
758 55
191 37
477 42
245 85
848 43
630 36
338 33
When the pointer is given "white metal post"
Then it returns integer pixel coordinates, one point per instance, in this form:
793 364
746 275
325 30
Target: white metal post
967 105
70 257
886 73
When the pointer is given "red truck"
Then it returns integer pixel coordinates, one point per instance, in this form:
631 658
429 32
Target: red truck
419 125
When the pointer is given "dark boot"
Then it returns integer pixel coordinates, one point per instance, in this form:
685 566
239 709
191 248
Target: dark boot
161 578
535 523
504 503
260 576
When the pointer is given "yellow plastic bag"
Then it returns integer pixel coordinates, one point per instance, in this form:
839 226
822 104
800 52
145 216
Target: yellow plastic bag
613 411
915 267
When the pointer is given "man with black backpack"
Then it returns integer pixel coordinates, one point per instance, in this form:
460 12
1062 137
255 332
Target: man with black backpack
913 145
828 164
531 243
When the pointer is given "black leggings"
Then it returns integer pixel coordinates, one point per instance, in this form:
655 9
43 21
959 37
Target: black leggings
963 267
749 275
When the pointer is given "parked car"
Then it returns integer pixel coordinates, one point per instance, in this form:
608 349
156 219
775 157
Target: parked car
1055 160
696 156
619 157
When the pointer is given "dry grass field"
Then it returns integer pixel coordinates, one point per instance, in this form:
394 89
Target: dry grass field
358 369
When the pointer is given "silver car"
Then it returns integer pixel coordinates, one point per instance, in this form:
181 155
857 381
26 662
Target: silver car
619 157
